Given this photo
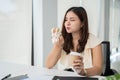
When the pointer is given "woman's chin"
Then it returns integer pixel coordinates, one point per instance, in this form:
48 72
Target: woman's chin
69 32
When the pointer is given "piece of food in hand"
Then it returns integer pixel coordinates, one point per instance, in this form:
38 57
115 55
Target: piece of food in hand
55 30
55 34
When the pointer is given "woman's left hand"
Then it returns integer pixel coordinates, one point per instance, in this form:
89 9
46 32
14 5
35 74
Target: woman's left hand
79 66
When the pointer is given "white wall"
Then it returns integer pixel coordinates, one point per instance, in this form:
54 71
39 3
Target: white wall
95 11
15 31
49 21
114 23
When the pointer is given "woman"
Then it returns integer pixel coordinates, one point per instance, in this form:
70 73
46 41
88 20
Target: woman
75 37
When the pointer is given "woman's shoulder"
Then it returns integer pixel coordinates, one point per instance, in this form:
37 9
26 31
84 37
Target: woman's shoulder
93 41
93 37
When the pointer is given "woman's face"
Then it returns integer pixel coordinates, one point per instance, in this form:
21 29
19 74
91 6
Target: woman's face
72 22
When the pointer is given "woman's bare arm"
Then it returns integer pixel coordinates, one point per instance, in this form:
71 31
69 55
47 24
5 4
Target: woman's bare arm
97 62
53 56
55 53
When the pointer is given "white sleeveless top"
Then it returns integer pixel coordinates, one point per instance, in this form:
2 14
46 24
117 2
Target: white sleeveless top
92 42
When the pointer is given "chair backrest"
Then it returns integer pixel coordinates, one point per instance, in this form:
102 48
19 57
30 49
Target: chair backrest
106 58
106 55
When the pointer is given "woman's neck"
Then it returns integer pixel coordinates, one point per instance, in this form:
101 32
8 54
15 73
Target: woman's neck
75 36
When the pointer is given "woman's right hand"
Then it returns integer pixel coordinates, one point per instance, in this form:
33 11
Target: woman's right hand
57 38
56 51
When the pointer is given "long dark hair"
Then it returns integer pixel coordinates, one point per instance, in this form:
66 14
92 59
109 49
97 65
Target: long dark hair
84 31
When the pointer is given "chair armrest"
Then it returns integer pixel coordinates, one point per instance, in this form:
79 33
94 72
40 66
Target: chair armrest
109 72
114 71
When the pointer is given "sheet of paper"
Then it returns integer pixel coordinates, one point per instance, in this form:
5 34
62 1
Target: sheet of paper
41 78
48 74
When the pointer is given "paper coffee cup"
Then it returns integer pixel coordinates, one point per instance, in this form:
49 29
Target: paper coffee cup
73 56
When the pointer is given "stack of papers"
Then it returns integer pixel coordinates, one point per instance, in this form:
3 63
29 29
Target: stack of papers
48 74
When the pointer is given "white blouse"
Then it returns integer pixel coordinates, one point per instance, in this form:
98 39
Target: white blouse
92 42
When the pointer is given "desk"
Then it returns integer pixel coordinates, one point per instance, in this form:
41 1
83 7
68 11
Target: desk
12 68
33 72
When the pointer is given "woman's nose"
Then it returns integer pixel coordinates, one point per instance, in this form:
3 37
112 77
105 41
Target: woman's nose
68 23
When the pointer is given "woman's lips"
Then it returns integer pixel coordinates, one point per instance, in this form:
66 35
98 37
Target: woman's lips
68 28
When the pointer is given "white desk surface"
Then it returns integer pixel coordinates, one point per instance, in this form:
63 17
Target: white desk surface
34 73
12 68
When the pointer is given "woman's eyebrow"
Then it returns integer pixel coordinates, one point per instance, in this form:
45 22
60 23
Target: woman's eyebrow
70 18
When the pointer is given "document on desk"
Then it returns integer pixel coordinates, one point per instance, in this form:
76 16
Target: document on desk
41 78
49 74
3 75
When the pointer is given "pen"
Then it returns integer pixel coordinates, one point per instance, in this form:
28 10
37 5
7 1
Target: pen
7 76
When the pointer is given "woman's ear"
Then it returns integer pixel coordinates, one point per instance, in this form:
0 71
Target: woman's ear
82 24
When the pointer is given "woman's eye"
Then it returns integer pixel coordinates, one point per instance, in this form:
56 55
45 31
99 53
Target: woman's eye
72 20
69 20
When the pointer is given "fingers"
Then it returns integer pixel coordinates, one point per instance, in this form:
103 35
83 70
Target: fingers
78 63
79 60
78 66
55 30
57 38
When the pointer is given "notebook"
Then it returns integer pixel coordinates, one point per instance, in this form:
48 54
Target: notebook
20 77
73 78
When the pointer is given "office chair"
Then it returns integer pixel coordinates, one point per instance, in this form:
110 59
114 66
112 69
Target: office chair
106 60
